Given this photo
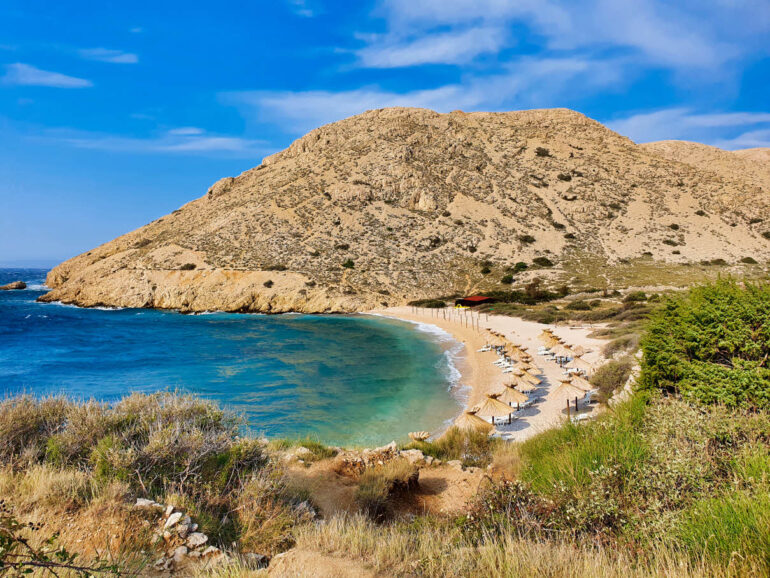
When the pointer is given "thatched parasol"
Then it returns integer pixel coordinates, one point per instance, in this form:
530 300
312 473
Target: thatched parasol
562 351
582 364
579 350
526 376
566 391
582 383
522 384
493 408
421 436
510 395
471 422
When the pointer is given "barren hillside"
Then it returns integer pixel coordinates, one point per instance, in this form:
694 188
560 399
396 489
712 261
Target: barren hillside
398 204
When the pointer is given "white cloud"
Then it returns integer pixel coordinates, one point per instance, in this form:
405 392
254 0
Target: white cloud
730 130
107 55
456 47
681 36
301 8
27 75
526 83
186 131
171 142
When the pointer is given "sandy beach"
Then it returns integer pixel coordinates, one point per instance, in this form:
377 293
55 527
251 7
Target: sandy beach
482 377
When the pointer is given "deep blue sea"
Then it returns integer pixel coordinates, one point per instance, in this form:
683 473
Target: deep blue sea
353 379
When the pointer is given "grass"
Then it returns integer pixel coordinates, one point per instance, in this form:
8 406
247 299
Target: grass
611 376
471 448
378 484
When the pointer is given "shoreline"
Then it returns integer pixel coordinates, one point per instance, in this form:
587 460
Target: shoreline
482 377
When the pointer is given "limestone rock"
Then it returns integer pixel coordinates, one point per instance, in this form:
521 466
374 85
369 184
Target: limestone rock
172 520
16 285
196 540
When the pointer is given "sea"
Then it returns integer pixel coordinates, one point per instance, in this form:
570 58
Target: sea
353 380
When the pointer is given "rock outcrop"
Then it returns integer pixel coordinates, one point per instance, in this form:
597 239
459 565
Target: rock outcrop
400 204
16 285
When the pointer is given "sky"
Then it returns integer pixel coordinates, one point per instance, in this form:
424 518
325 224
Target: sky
113 114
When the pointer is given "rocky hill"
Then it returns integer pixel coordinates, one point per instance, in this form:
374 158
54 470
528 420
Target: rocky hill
398 204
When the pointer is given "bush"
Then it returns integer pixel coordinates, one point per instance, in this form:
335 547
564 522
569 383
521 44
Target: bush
542 152
673 227
542 262
429 303
579 305
766 234
749 260
700 213
670 242
485 270
342 246
712 345
268 283
348 264
188 267
519 267
378 484
507 279
471 448
635 296
526 239
611 376
569 236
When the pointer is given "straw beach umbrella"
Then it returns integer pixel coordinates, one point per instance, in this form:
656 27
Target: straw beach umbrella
566 392
582 383
469 421
511 396
527 377
493 408
582 364
522 384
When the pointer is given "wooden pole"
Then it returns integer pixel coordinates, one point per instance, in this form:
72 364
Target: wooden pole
567 409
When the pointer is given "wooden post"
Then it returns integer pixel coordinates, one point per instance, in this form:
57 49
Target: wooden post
567 409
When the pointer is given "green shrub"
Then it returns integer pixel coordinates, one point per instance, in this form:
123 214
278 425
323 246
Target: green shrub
766 234
635 296
579 305
526 239
485 270
348 264
542 262
519 267
749 260
429 303
542 152
712 345
471 448
269 283
188 267
507 279
378 484
611 376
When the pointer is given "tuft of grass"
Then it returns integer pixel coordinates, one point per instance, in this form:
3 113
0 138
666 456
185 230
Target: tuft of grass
377 484
471 448
612 375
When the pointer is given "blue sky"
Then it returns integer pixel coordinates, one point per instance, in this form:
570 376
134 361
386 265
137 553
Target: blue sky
112 114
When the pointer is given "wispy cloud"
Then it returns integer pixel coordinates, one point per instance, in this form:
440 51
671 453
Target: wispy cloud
525 83
183 140
27 75
301 8
681 36
731 130
108 55
454 47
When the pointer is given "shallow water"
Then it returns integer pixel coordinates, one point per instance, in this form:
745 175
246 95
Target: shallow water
353 379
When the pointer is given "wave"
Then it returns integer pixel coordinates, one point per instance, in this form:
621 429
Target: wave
36 287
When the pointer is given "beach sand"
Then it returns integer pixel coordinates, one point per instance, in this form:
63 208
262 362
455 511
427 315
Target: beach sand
482 377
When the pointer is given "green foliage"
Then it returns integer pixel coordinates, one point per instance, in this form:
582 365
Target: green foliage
519 267
348 264
188 267
749 260
542 262
611 376
579 305
507 279
526 239
470 447
542 152
485 270
712 345
429 303
635 296
766 234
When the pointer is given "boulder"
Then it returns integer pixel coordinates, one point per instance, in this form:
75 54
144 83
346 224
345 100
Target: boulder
256 561
196 540
456 464
16 285
173 520
413 456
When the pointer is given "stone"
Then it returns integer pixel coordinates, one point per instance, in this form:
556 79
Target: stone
211 551
172 520
302 451
256 561
146 504
194 554
169 510
429 460
196 540
15 286
183 530
179 554
413 456
456 464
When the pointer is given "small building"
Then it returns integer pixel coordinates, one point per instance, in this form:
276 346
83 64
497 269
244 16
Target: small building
473 301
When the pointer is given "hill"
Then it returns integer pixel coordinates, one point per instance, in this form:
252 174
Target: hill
399 204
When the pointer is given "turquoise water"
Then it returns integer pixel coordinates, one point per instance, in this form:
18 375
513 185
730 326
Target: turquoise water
356 380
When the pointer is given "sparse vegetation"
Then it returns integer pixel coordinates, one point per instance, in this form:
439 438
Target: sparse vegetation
188 267
526 239
268 283
348 264
542 262
542 152
507 279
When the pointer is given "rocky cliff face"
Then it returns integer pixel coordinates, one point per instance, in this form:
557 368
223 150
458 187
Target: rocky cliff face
398 204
